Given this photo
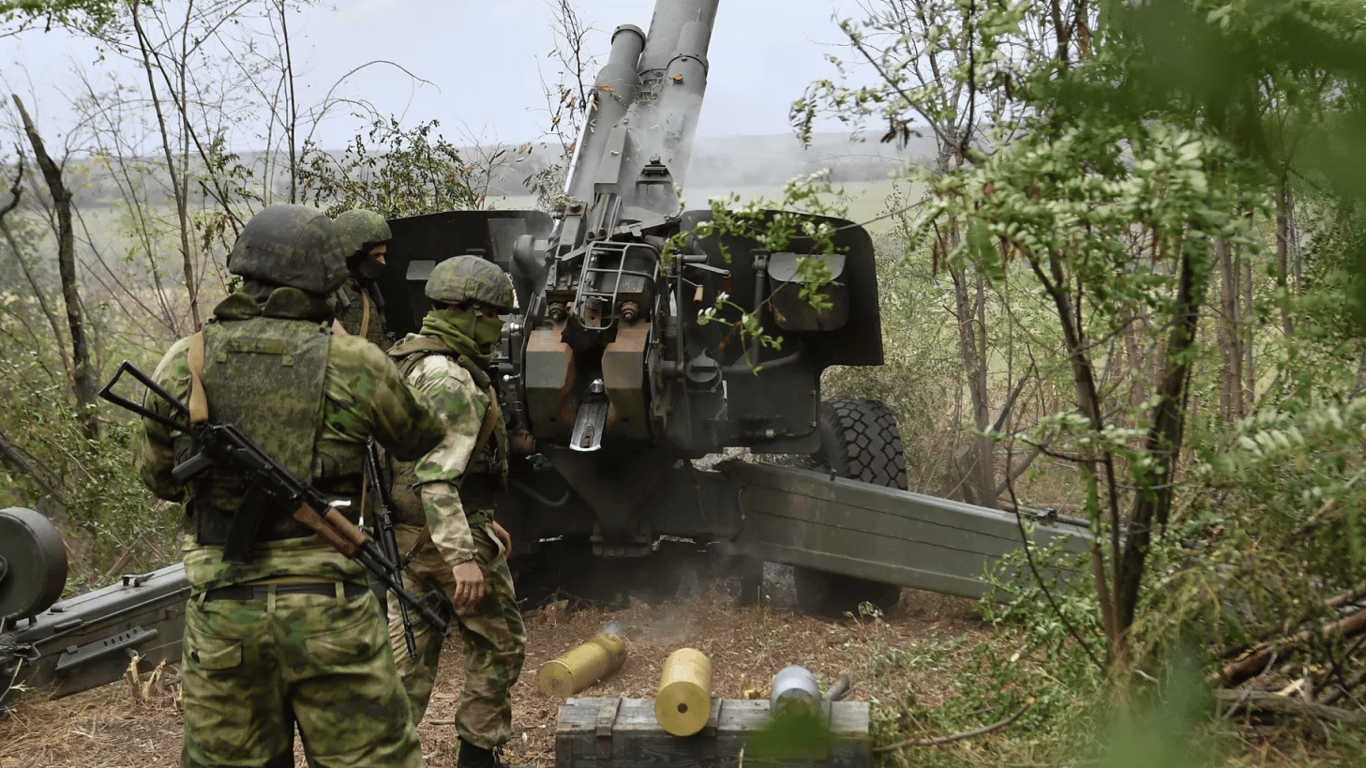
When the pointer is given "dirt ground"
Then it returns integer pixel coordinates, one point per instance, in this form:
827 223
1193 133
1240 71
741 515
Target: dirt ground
110 728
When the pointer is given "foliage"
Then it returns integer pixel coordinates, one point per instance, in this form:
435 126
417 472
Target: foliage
87 488
395 171
93 15
802 220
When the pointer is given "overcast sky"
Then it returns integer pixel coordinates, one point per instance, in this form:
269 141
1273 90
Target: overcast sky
486 61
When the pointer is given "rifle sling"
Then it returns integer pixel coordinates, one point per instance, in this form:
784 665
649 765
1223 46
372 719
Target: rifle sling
199 403
364 314
485 432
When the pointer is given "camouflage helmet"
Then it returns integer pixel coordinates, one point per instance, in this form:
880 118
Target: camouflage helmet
362 230
291 245
470 278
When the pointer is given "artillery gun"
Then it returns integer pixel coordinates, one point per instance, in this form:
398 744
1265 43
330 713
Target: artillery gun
610 364
606 360
626 389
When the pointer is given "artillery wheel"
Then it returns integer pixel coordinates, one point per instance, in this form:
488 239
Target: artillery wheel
860 441
32 563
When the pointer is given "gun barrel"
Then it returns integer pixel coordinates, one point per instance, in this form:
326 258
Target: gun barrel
646 102
613 92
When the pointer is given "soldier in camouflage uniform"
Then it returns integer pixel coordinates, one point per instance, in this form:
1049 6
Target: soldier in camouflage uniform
445 504
293 636
360 305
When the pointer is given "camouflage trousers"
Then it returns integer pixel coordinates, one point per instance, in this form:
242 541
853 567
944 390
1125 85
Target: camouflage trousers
252 669
491 631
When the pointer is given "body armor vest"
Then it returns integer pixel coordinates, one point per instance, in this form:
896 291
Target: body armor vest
484 476
267 376
351 299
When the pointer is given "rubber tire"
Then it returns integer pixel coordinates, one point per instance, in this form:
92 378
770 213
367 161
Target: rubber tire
860 441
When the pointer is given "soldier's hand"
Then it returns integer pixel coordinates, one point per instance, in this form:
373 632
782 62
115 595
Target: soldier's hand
337 329
522 443
469 584
503 537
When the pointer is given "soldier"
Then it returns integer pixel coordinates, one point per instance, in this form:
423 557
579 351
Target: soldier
293 636
445 507
360 305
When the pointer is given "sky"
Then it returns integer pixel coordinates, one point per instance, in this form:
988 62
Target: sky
485 62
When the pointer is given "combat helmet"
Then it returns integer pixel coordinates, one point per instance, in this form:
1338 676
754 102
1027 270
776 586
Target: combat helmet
470 278
362 230
291 245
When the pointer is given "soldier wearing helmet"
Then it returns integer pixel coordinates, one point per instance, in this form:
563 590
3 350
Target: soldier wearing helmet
360 305
445 506
290 636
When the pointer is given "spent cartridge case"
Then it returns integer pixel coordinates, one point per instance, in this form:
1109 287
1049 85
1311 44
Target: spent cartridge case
581 666
683 703
794 692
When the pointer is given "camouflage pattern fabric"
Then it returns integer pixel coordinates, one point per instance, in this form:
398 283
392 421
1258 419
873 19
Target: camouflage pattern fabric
253 669
362 230
491 632
463 406
470 278
291 245
364 395
351 311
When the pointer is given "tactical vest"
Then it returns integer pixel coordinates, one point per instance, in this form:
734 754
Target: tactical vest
360 310
268 376
485 475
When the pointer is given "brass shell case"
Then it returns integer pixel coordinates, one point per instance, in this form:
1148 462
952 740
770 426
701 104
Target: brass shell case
581 666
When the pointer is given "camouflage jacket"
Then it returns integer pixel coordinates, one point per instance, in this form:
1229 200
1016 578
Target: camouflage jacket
365 396
435 478
350 300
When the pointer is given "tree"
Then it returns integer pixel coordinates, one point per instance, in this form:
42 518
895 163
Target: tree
82 370
1126 151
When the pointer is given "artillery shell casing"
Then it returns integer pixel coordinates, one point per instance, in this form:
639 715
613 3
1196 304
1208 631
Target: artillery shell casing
582 666
794 692
683 704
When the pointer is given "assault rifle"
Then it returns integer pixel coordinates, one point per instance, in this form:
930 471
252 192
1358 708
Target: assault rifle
384 531
227 446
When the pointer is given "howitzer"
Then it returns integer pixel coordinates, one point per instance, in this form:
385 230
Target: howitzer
227 446
609 363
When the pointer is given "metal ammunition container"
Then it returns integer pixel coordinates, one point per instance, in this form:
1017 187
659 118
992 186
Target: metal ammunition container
683 703
581 666
795 692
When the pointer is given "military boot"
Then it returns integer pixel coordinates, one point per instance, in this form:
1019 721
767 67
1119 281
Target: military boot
472 756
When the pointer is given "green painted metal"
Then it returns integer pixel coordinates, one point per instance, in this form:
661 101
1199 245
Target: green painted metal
799 517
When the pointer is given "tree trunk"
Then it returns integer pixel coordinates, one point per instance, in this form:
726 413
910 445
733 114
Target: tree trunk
978 473
1230 339
1283 217
1152 503
52 320
83 372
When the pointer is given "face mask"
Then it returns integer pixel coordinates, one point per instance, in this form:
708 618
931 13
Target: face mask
487 332
369 270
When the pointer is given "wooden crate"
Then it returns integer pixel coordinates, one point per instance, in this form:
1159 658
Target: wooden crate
614 732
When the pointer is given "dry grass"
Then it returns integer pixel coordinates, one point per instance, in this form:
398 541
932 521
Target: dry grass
109 728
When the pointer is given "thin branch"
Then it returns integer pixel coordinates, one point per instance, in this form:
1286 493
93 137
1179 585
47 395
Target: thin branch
938 740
